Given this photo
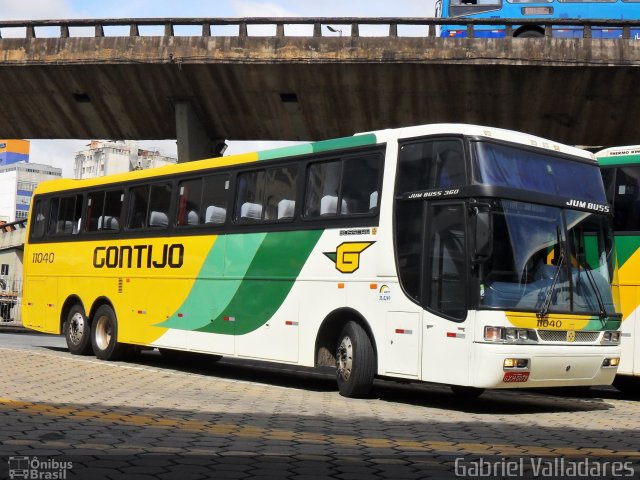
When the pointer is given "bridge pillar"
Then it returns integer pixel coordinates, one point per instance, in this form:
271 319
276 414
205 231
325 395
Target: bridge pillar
194 143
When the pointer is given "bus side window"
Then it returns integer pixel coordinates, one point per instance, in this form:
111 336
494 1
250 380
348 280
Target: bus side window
431 164
39 221
214 199
627 199
104 210
280 193
343 187
360 179
159 204
138 203
112 210
69 212
249 197
54 211
323 185
189 196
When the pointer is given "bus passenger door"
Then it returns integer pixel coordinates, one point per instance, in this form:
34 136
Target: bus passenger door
446 336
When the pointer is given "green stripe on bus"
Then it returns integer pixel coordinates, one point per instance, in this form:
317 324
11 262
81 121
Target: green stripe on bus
626 245
321 146
231 256
345 142
286 151
269 280
619 160
596 324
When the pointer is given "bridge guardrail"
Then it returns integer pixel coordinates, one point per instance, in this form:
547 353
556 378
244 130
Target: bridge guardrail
432 24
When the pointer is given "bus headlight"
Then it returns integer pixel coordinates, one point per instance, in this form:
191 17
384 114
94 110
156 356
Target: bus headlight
509 335
494 334
611 362
610 338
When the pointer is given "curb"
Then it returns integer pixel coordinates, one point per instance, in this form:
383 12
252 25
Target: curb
15 329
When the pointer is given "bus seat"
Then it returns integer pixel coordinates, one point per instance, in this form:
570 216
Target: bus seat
215 214
108 222
65 226
329 203
158 219
373 200
251 210
286 208
192 218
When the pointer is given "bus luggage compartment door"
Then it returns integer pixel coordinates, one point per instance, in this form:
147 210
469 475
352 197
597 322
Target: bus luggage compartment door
402 350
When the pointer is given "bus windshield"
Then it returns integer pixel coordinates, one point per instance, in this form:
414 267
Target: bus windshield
550 260
506 166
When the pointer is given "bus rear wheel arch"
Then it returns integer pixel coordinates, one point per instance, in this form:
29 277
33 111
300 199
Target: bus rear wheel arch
77 330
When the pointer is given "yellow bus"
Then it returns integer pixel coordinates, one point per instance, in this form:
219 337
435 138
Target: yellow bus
621 175
464 255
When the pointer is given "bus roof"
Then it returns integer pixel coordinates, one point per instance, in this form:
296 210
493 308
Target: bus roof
357 140
619 155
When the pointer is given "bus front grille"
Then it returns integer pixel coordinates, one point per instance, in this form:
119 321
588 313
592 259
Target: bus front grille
566 336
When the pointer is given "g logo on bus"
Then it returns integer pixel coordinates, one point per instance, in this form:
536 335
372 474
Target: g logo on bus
571 336
347 255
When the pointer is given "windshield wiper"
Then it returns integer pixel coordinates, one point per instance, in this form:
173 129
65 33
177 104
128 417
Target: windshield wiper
549 293
596 290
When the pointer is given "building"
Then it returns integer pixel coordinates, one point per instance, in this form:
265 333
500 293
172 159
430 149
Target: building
12 151
11 254
17 183
109 157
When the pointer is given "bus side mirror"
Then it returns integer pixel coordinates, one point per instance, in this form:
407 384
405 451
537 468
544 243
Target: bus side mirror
483 247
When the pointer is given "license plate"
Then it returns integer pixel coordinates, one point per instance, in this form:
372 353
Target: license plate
515 377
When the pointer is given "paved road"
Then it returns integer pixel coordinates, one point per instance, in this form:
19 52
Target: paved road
152 418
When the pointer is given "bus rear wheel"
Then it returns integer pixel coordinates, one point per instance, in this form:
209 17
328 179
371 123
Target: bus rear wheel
77 331
104 335
355 361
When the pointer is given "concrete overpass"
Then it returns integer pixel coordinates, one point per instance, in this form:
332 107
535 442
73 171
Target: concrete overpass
203 88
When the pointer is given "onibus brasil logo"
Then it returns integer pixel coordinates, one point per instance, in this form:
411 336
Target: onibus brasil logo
347 255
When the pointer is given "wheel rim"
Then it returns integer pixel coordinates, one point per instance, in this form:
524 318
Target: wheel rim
76 328
103 333
345 358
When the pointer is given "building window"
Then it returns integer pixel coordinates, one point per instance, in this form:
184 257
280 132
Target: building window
4 269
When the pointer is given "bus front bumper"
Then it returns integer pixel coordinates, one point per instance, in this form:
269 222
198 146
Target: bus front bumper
546 365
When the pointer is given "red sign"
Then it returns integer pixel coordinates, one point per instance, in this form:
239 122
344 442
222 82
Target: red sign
515 377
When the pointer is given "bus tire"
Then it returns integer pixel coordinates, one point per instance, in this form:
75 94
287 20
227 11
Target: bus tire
627 384
77 331
355 361
104 335
530 34
466 392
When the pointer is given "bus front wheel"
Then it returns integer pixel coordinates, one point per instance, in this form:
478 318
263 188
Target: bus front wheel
530 34
627 384
104 335
355 361
77 331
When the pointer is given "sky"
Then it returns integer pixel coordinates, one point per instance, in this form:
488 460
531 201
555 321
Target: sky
60 153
